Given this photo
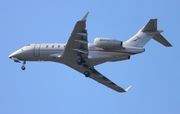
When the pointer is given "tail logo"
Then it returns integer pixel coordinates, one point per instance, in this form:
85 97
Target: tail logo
136 39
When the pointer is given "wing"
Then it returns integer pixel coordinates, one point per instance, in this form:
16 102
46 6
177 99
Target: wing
76 46
95 75
77 42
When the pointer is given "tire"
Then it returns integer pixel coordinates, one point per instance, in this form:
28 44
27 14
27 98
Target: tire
23 67
86 73
79 61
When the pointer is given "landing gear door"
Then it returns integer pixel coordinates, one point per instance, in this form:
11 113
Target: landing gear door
37 50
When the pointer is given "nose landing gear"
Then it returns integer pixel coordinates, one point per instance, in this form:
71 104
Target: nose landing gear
23 66
81 61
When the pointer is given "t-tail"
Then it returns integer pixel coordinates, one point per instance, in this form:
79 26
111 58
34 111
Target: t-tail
145 34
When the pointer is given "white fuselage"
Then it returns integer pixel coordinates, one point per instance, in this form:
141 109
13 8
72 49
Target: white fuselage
52 52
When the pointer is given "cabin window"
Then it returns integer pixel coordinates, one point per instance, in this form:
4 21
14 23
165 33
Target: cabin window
58 46
46 46
52 46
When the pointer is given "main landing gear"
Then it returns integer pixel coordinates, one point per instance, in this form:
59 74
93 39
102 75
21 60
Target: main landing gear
81 61
23 66
86 73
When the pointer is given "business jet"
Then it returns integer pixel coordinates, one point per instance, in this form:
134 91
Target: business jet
82 56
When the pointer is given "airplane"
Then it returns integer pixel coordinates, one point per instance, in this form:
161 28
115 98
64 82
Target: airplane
83 56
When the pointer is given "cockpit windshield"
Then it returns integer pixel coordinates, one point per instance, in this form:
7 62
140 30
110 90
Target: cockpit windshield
25 47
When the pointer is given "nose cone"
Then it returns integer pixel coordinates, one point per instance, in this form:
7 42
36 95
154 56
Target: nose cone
15 54
11 55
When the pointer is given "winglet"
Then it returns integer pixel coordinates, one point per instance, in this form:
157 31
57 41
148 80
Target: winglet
127 89
85 16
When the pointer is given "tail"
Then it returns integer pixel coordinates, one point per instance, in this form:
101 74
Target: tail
145 34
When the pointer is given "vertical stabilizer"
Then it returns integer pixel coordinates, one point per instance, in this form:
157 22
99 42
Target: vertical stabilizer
151 26
145 34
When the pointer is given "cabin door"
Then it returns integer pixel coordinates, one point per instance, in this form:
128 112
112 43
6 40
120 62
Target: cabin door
37 50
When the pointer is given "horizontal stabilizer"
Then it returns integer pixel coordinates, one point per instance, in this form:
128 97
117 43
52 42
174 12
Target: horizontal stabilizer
159 38
151 26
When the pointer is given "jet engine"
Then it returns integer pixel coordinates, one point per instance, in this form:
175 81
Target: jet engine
108 43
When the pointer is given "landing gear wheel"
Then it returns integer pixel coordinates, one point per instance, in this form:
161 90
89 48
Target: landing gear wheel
79 61
86 73
23 67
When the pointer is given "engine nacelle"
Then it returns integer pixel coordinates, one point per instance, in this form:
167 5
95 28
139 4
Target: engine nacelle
108 43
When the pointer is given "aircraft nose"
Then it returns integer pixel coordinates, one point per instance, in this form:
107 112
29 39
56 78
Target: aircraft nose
14 54
10 56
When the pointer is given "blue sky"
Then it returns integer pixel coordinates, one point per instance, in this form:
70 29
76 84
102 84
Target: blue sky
47 87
